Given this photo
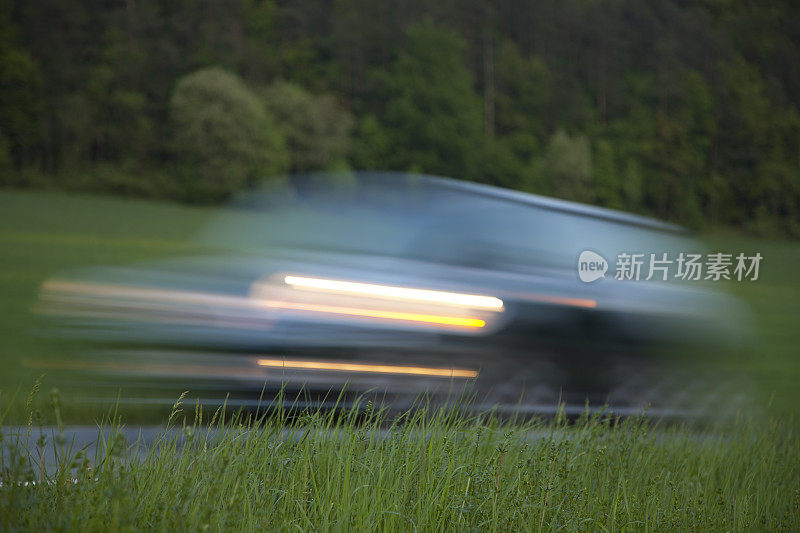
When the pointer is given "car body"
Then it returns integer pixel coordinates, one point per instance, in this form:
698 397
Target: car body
399 283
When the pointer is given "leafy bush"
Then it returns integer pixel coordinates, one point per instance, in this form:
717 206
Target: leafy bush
224 139
568 166
316 127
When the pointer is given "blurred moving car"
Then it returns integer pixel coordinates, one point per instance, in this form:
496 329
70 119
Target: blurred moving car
397 283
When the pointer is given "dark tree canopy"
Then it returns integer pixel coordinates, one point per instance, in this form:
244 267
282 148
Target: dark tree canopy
687 111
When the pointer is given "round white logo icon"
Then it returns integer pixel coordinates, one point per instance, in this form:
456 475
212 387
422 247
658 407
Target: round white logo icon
591 266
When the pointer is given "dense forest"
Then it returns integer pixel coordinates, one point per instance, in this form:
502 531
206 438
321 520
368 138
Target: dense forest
688 111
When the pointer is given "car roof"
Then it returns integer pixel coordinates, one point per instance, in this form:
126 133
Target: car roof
554 204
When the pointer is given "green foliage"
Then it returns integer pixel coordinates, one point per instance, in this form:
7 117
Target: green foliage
567 166
523 88
432 117
123 130
224 138
692 111
684 127
316 128
372 143
20 98
510 161
759 136
6 164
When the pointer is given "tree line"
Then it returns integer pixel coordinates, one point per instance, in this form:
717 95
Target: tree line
688 111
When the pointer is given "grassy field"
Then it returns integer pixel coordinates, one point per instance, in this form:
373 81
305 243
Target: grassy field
429 471
426 472
774 299
42 234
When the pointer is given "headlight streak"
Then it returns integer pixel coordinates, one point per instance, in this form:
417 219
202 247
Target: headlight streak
198 364
301 294
399 293
151 294
560 300
467 322
370 368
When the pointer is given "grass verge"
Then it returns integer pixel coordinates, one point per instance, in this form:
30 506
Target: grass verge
426 470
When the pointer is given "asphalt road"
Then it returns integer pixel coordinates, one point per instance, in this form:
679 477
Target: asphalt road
137 441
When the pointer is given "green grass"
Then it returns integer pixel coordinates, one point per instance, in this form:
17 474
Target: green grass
42 234
774 299
430 471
